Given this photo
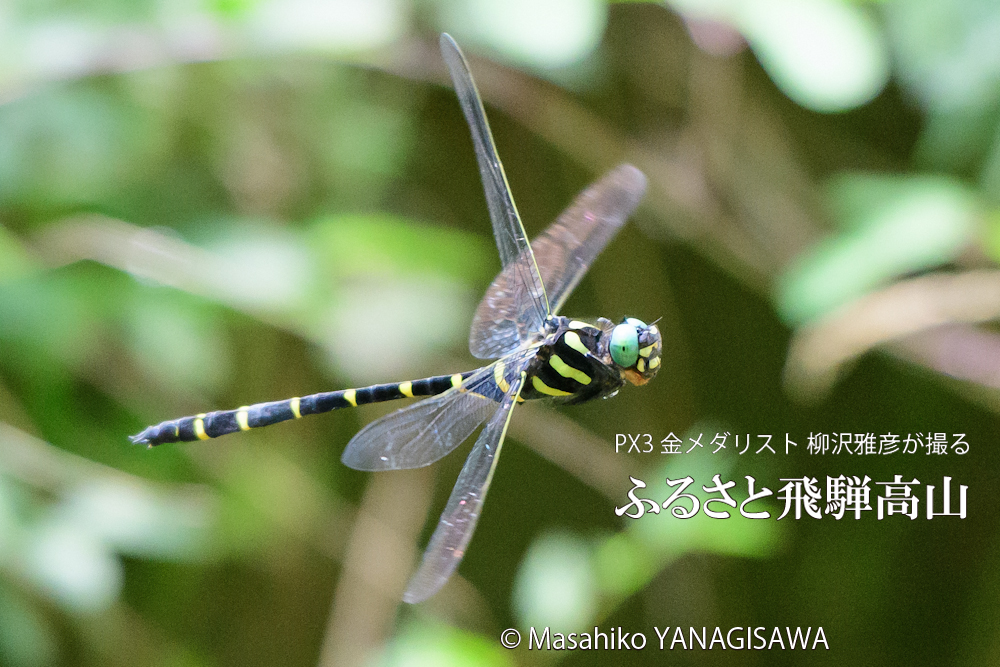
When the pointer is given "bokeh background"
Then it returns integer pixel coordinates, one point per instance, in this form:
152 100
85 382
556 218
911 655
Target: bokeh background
210 203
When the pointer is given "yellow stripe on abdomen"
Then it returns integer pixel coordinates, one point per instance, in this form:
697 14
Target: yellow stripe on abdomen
406 389
199 427
241 418
351 397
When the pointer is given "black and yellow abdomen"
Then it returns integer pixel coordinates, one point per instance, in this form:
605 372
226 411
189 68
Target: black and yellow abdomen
213 424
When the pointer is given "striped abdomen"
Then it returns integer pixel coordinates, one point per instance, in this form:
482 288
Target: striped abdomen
214 424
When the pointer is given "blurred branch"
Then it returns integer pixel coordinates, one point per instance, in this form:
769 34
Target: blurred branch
752 162
571 447
148 254
819 350
105 635
381 551
44 466
90 51
158 256
959 351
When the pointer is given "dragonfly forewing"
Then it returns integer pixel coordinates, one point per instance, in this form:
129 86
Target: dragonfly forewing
523 307
562 255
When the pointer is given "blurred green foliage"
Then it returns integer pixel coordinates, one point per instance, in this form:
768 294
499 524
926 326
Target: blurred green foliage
209 204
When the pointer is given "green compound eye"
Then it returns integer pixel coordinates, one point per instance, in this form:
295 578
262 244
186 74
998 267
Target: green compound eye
624 345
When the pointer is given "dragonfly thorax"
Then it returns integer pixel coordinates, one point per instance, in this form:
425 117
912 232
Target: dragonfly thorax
577 361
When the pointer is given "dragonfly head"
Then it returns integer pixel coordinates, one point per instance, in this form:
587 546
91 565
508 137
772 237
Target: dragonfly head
635 348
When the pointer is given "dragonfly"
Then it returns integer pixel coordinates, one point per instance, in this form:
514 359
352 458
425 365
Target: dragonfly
537 353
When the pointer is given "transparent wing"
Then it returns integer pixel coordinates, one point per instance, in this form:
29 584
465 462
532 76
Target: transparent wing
563 253
565 250
519 307
458 521
424 432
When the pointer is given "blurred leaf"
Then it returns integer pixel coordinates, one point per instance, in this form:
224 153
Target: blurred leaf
268 490
989 178
138 521
958 140
405 279
180 345
11 521
946 51
26 639
68 145
353 244
827 55
381 327
260 266
329 25
48 312
891 226
232 8
72 565
537 33
15 262
992 236
623 565
368 138
131 10
946 56
668 537
424 645
556 584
